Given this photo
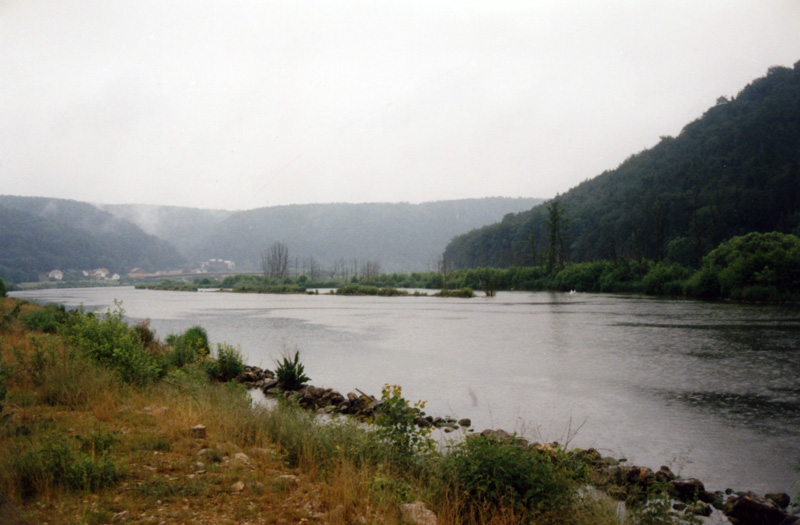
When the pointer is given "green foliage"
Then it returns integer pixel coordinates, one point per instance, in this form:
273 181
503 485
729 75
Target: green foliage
464 292
362 289
108 340
227 365
489 473
3 288
395 421
46 319
3 390
189 347
655 508
291 372
730 172
756 266
57 464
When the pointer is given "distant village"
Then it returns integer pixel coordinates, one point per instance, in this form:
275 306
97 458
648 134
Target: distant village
103 274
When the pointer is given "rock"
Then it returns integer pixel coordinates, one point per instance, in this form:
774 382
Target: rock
781 499
664 474
417 514
242 457
238 486
199 431
268 385
422 422
465 422
686 489
499 434
751 509
288 479
791 520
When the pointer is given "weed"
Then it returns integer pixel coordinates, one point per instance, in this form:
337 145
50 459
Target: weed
56 463
395 420
291 372
228 365
490 474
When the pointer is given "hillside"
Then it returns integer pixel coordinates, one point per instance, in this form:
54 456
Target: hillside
38 235
732 171
399 236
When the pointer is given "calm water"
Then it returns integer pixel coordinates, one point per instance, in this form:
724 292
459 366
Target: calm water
710 389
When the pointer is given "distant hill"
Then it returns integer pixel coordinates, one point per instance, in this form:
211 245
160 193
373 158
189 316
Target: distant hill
734 170
38 235
399 236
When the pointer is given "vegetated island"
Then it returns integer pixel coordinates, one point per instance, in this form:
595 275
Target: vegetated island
757 267
101 421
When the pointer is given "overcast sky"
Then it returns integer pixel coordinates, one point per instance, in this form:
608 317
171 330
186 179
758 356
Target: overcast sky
240 104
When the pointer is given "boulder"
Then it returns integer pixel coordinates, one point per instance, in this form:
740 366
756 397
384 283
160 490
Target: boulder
781 499
686 489
417 514
664 474
700 508
465 422
751 509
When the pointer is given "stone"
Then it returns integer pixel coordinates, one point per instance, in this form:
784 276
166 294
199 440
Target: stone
199 431
242 457
465 422
288 479
751 509
781 499
686 489
238 486
417 514
664 474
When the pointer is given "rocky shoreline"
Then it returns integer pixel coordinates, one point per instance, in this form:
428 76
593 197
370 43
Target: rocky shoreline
610 475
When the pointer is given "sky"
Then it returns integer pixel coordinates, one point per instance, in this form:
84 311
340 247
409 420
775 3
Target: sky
241 104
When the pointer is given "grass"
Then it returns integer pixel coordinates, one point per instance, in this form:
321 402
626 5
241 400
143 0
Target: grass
83 445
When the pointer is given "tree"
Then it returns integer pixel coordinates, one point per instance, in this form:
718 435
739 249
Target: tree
275 261
3 289
556 220
370 270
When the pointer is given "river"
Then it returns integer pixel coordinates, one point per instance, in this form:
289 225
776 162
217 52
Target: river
710 389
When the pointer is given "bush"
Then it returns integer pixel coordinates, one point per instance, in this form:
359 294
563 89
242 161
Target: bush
3 390
108 340
187 348
395 420
58 464
3 288
228 364
46 319
490 474
290 372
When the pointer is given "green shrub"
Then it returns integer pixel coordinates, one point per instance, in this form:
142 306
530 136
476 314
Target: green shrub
57 464
291 372
108 340
46 319
188 347
490 474
3 288
395 421
228 364
3 391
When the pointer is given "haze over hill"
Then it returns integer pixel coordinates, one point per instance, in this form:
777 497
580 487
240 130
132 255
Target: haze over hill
39 234
399 236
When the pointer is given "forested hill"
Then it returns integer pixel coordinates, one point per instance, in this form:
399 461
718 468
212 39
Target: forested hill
398 236
734 170
38 235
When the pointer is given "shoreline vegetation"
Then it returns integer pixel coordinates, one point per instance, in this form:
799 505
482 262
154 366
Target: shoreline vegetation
102 422
758 267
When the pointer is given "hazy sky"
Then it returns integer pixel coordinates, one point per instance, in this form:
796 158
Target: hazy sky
240 104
